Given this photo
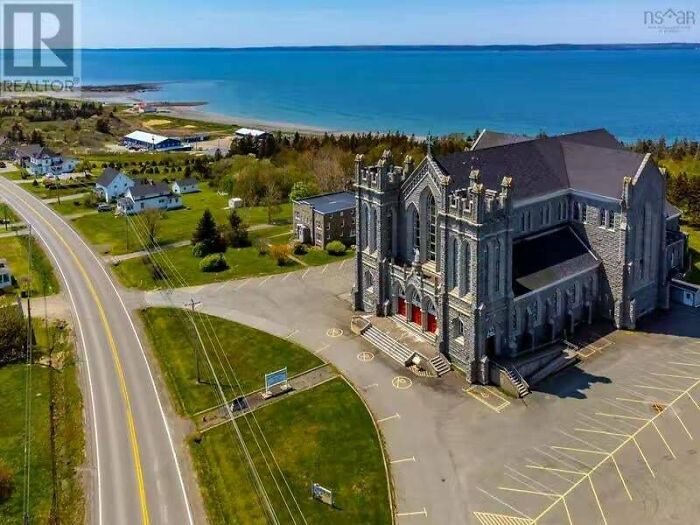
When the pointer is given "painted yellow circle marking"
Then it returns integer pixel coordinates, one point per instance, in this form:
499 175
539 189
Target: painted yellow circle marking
334 332
401 382
365 357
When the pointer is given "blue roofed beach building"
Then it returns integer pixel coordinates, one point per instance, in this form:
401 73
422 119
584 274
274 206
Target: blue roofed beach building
321 219
142 140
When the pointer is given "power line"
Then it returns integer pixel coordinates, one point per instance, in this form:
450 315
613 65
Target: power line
262 492
210 331
28 388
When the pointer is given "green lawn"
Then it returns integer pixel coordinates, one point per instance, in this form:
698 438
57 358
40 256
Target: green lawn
70 207
108 232
251 353
69 441
324 435
43 192
14 249
316 257
13 175
690 165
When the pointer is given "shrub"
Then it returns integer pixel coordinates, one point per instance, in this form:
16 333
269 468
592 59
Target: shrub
199 250
300 249
336 248
262 246
280 253
213 263
6 484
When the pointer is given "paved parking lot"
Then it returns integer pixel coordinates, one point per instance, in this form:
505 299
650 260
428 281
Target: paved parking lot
610 441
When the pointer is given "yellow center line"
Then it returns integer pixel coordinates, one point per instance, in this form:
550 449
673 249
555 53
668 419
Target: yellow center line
117 363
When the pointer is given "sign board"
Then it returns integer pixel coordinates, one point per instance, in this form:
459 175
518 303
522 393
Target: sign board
322 494
278 378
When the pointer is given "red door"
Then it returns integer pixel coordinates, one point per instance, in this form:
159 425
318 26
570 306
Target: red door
402 306
416 315
432 323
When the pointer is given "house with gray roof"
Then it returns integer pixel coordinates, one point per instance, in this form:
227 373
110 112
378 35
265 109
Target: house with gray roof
321 219
142 197
112 184
496 253
183 186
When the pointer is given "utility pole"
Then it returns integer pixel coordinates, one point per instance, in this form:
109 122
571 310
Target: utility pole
126 225
28 388
194 304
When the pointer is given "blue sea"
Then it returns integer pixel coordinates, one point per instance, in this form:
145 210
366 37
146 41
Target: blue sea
633 93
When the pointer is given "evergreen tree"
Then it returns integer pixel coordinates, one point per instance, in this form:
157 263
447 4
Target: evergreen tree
207 234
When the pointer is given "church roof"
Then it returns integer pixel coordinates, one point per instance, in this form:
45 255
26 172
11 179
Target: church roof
547 258
591 161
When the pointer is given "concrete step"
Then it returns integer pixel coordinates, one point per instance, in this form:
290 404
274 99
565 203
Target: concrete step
520 386
440 365
556 365
389 346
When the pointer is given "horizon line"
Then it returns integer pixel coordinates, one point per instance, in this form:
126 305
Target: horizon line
447 47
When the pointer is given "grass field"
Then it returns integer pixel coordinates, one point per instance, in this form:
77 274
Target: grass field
689 165
694 248
316 257
13 175
251 353
43 192
324 435
47 385
108 232
14 249
243 262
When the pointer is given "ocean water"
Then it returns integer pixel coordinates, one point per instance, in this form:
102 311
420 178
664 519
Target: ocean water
633 93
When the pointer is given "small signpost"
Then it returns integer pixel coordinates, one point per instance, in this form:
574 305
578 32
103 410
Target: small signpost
276 383
322 494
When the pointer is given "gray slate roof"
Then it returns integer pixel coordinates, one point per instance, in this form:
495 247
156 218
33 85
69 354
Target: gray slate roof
491 139
545 259
150 191
108 175
592 161
331 202
186 182
29 150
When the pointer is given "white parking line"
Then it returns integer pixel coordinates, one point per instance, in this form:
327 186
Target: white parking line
264 280
307 271
420 513
412 459
373 385
243 284
289 274
343 264
395 416
324 269
324 347
292 334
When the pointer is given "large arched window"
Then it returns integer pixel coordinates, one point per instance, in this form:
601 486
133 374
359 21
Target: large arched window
432 228
373 230
454 264
467 267
416 230
365 228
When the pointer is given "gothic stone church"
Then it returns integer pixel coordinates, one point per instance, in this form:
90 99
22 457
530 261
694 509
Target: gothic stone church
512 245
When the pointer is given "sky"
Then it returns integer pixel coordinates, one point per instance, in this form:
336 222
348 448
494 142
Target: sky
235 23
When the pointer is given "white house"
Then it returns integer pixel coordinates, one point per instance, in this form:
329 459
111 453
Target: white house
112 184
180 187
46 162
148 196
5 275
235 202
255 134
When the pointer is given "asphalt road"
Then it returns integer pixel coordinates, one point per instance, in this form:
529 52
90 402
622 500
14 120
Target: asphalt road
136 474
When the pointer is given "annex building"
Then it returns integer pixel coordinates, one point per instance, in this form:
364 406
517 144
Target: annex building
506 248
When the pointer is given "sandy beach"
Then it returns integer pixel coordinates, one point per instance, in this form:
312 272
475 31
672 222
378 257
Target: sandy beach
186 110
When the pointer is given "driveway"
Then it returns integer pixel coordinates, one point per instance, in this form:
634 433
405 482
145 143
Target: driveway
453 453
